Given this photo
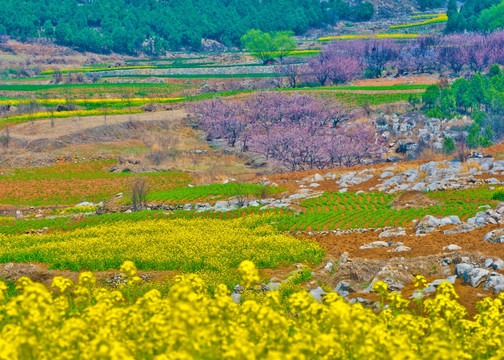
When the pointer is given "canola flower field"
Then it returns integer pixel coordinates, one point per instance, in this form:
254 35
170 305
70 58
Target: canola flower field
177 244
102 102
441 18
82 320
377 36
63 114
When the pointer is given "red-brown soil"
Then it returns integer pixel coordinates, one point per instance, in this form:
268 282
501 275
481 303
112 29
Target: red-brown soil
416 80
413 199
429 244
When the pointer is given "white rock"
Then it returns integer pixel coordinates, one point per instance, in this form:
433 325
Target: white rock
392 233
386 174
85 203
402 248
375 244
452 247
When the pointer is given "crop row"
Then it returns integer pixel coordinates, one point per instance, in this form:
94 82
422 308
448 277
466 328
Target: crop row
213 192
328 212
72 183
352 211
438 19
132 67
378 36
63 114
359 99
101 102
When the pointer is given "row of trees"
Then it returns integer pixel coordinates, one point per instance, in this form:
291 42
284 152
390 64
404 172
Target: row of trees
341 61
152 26
298 132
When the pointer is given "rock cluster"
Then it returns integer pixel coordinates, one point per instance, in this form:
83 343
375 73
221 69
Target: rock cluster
475 274
415 130
429 223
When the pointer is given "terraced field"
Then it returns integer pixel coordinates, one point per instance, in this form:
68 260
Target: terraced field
330 211
73 183
372 210
212 193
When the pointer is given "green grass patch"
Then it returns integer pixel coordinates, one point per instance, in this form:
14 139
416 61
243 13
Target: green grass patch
70 184
214 192
197 76
351 211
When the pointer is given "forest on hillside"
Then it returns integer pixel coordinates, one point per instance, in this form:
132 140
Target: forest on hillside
475 15
152 26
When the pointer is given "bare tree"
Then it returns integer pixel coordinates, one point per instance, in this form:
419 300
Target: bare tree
58 76
461 147
5 138
139 191
291 70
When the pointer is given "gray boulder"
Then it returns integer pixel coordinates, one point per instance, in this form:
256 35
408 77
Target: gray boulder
392 233
374 245
402 248
494 280
419 186
462 269
386 174
495 236
85 203
476 276
497 264
452 247
318 293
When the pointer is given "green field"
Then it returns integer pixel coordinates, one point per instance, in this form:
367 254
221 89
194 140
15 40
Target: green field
213 192
330 211
69 184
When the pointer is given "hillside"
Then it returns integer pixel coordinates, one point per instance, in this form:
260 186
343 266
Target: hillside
333 191
153 27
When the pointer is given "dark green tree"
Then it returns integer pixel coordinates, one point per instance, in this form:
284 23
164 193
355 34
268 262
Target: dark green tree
473 138
447 102
48 28
477 90
431 96
462 92
454 20
448 145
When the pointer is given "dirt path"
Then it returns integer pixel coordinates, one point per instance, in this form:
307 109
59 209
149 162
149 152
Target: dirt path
362 91
41 129
415 80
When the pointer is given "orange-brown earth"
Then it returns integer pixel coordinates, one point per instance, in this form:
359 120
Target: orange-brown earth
414 80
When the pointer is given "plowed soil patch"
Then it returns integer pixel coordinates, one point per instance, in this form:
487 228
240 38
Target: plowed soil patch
303 174
417 80
413 199
430 244
495 149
